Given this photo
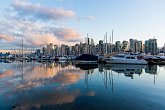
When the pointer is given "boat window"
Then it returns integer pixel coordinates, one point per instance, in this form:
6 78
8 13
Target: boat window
132 57
119 56
127 57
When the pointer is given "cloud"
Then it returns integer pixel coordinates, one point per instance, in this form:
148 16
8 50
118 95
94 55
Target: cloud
40 39
38 34
52 35
7 38
67 34
86 18
40 12
38 24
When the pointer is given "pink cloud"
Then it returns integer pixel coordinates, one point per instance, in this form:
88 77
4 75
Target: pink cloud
7 37
37 10
38 39
67 34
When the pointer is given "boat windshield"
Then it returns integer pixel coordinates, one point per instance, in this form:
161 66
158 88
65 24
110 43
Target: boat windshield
119 56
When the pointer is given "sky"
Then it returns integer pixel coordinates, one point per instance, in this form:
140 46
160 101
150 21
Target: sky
40 22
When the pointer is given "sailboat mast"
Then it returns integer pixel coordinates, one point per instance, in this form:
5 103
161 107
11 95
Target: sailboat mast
22 46
164 47
88 43
112 36
106 42
111 41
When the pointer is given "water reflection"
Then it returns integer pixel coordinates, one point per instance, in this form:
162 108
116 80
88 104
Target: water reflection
127 70
33 85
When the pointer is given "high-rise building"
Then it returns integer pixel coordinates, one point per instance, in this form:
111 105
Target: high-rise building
101 47
117 46
135 45
132 45
92 41
139 46
151 46
124 46
63 50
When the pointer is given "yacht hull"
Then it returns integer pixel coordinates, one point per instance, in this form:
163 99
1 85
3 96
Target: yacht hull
119 61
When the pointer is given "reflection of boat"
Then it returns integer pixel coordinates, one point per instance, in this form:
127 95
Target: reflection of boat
87 66
62 59
87 58
122 66
21 58
128 70
125 59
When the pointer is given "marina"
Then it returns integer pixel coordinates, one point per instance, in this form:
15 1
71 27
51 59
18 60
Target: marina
124 58
82 55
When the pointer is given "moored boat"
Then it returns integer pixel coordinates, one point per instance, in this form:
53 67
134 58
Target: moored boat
126 59
87 58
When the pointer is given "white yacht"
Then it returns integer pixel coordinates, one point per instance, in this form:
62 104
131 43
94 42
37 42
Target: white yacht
125 59
160 56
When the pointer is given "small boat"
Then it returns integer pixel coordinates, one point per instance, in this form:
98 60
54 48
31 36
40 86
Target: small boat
87 58
126 59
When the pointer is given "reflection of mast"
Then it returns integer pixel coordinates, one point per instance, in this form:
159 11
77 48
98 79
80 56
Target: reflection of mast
22 70
105 79
154 79
111 79
86 78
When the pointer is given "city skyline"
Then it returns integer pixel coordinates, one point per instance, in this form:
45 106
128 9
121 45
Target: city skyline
41 22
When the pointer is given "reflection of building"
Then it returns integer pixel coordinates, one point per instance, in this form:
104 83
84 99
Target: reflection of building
151 69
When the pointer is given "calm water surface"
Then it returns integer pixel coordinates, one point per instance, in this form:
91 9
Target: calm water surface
64 86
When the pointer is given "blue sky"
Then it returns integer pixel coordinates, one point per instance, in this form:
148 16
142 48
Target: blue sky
138 19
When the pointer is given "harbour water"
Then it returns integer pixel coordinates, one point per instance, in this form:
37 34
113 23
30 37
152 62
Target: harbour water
65 86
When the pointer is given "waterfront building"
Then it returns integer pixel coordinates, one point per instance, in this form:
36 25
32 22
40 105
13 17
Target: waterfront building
117 46
139 46
124 46
135 45
85 48
92 41
101 47
44 50
132 45
49 49
151 46
38 52
63 50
